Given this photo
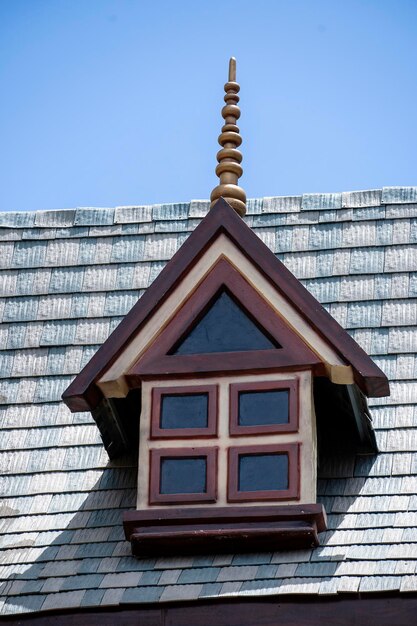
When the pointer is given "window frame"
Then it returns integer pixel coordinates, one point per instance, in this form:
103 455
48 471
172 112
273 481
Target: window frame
291 426
156 362
292 493
156 432
155 457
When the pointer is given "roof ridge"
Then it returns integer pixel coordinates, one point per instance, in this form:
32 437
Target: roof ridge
196 208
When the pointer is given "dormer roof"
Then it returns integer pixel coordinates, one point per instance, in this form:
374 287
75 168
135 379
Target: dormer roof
84 394
221 235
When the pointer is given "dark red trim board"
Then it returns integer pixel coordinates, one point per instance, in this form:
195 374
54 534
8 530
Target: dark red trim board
294 610
231 529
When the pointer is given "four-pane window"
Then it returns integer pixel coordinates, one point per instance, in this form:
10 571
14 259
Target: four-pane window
258 472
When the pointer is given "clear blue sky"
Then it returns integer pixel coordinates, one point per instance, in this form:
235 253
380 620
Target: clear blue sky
114 102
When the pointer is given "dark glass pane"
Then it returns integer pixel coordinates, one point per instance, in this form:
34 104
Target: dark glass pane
224 328
183 475
260 408
263 472
188 411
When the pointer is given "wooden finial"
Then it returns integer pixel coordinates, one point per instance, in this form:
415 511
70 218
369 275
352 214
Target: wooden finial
232 70
229 157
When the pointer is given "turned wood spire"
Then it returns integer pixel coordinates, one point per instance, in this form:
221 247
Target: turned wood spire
229 157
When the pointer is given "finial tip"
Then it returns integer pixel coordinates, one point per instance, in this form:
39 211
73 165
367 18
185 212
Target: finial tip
229 169
232 69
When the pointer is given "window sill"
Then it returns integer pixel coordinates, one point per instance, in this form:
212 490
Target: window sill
213 529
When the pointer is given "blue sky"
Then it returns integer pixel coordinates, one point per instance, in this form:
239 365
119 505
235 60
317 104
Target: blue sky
117 102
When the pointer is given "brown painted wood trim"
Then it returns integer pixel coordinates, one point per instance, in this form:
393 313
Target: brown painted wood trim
272 385
254 362
224 529
83 395
233 538
155 457
180 433
292 450
300 610
372 609
226 514
156 360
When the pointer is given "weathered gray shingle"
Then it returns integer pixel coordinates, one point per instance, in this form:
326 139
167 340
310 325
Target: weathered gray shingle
368 198
315 201
68 279
398 195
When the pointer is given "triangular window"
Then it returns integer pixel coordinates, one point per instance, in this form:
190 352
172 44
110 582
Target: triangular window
224 316
224 327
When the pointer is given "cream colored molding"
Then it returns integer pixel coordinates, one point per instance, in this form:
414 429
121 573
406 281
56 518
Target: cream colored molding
112 383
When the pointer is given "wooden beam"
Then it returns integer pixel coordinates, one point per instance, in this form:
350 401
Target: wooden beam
223 529
295 610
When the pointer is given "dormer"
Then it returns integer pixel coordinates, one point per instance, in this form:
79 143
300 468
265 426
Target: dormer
225 375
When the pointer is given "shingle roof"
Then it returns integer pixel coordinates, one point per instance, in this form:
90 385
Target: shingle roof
68 278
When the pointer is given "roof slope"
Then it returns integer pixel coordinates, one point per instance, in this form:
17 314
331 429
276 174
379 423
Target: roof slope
70 276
